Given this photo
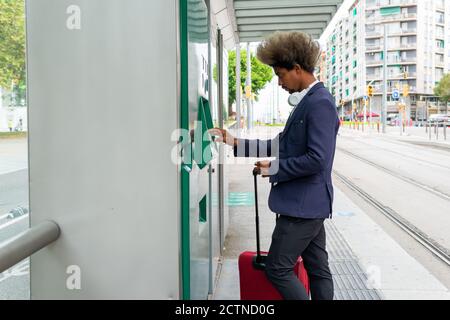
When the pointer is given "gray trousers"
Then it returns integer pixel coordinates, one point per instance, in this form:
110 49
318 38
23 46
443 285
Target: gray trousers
294 237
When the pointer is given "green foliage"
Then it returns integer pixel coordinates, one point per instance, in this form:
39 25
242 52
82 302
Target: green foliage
261 75
12 45
443 88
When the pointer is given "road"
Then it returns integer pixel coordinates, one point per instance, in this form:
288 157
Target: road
14 283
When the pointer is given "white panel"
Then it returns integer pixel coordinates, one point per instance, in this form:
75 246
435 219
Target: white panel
218 5
229 44
103 105
222 19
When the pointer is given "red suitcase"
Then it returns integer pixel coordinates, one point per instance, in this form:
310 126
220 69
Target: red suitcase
254 284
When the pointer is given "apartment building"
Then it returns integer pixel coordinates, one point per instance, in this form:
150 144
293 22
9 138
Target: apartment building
418 54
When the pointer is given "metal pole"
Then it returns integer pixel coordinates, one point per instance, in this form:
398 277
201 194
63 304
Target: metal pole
384 111
249 83
445 130
258 249
210 168
365 114
429 130
273 103
210 229
26 243
353 112
220 165
278 104
400 113
238 88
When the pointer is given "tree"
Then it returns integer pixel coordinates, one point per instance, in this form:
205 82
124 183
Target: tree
442 90
12 45
261 75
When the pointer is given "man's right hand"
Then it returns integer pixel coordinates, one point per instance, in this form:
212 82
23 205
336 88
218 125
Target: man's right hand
223 136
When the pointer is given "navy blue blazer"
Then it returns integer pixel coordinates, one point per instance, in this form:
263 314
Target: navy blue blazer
304 151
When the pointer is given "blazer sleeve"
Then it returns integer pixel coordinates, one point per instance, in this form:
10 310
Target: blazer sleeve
321 135
256 148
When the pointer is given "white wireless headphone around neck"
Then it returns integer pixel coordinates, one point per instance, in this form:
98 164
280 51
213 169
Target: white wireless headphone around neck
295 98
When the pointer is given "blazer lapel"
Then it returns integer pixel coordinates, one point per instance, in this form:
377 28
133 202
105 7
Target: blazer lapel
295 113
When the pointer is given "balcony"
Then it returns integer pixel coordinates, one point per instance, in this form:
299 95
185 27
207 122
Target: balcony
374 62
376 76
379 90
404 32
377 19
408 45
395 33
400 76
391 61
377 47
402 16
391 89
373 34
440 5
402 46
401 60
400 3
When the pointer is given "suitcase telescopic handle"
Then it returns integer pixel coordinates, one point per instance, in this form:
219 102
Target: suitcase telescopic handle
258 248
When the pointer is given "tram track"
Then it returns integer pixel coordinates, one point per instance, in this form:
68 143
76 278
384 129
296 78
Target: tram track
435 145
426 145
403 154
418 235
420 185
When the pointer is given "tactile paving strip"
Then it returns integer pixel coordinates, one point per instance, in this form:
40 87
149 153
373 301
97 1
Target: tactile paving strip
350 280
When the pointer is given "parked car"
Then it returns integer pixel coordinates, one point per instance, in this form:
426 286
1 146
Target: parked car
439 119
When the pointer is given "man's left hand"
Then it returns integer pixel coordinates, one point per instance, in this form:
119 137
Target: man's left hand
262 168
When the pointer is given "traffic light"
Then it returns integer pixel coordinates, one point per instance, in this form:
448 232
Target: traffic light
405 90
405 75
370 91
248 92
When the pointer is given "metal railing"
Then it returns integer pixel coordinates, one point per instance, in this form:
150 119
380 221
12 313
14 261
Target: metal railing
391 76
374 47
26 243
434 126
370 5
400 16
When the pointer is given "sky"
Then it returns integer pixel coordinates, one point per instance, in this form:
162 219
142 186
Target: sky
343 11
